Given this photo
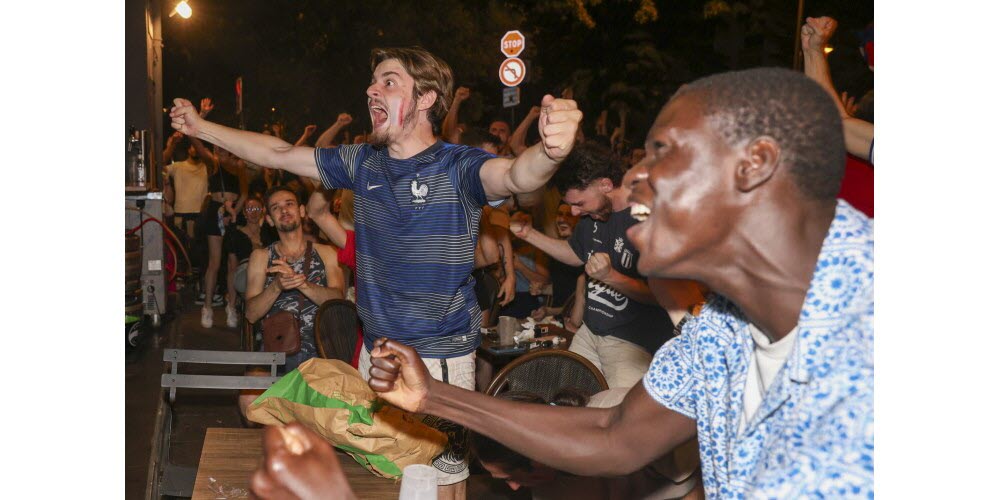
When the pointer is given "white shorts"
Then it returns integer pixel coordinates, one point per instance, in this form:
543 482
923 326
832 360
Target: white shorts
453 463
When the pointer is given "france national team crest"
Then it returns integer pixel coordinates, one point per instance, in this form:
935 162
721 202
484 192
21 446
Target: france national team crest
419 192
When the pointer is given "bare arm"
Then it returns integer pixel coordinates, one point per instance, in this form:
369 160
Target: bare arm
318 210
517 139
259 298
587 441
334 288
261 149
329 136
531 169
599 267
816 32
168 150
450 122
555 248
306 134
574 319
509 285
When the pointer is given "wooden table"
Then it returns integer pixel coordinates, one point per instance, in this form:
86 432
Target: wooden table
229 457
489 362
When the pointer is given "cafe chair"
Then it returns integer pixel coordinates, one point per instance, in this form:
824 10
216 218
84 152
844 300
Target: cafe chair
546 372
337 330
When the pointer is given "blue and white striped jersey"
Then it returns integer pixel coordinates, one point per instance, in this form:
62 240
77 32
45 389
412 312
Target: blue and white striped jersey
416 222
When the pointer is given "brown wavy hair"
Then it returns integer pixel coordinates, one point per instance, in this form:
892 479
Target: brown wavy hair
429 72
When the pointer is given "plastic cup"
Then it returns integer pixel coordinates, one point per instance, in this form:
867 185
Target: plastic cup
507 328
419 483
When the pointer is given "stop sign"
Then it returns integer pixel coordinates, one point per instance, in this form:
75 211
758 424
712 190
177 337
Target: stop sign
512 43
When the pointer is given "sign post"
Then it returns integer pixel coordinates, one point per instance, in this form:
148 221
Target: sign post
512 69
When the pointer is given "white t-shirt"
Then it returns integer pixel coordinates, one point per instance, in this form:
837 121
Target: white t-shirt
190 185
765 362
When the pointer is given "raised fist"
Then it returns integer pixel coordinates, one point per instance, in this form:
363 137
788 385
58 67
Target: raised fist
461 94
557 126
184 118
816 32
309 131
344 119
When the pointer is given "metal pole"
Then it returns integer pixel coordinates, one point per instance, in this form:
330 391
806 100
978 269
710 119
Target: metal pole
797 57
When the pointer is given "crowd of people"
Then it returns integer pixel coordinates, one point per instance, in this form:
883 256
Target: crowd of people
713 276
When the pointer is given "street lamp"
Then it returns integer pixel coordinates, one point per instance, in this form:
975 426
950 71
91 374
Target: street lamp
183 9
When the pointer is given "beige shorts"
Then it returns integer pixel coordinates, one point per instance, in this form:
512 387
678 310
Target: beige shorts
453 463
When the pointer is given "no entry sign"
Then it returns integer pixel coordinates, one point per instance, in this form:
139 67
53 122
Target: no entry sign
512 43
512 72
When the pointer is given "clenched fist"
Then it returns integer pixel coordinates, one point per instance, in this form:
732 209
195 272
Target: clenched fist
520 228
344 119
461 94
598 266
816 32
184 117
557 126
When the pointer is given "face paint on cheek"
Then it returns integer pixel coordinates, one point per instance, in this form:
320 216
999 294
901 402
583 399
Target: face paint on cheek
395 110
402 113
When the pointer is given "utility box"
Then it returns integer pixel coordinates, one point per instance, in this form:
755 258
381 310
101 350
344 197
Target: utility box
154 272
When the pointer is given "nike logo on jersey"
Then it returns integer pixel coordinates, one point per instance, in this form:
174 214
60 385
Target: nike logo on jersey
370 187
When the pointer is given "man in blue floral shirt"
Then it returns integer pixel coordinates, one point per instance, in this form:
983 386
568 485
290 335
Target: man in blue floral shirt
775 377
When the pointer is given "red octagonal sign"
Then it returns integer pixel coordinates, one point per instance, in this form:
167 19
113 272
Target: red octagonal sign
512 43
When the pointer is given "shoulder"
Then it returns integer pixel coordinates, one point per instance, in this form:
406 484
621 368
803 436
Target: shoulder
326 252
258 258
463 156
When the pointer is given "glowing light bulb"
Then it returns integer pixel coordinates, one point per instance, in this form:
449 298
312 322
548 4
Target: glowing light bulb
183 9
827 49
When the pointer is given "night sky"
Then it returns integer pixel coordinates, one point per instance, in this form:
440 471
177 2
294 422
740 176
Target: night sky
309 59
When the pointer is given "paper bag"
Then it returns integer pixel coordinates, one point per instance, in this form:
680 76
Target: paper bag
330 397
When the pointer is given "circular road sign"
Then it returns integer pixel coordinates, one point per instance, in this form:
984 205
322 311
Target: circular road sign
512 72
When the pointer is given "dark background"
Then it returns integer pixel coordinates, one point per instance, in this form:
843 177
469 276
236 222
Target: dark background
309 59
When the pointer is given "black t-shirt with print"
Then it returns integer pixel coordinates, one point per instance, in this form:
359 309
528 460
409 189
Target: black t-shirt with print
608 311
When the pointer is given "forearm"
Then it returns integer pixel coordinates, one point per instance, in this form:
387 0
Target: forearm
530 171
204 152
327 138
258 305
635 289
450 121
330 226
575 440
261 149
320 294
557 249
816 67
858 136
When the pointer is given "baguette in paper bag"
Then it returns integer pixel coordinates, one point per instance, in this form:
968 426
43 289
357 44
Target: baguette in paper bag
330 397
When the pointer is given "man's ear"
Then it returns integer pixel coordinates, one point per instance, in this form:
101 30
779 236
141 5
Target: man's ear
269 221
760 161
302 211
427 100
605 185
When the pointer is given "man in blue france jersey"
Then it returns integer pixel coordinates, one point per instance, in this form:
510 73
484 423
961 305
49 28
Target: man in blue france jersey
417 207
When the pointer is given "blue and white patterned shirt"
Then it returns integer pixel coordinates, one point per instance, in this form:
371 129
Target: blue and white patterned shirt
813 435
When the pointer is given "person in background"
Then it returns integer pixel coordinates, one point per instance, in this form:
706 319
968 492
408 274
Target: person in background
568 286
227 186
185 182
531 272
622 324
858 186
239 242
